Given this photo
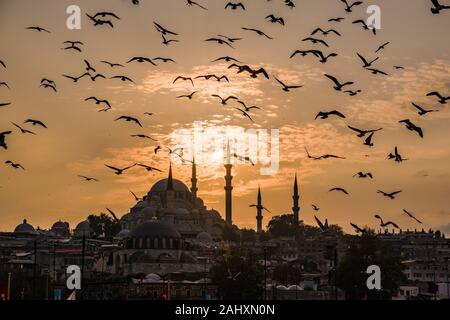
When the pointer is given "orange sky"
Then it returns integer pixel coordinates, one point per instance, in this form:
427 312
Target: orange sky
80 140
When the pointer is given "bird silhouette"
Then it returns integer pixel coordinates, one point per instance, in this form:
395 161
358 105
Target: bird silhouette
258 32
184 79
260 207
389 195
303 53
73 45
385 224
219 41
235 6
339 189
123 78
442 99
399 67
3 139
243 159
224 100
437 7
119 171
5 104
362 133
287 88
14 165
366 63
22 129
253 72
3 64
377 71
99 101
148 168
325 115
142 136
358 229
412 127
396 156
365 26
363 175
193 3
39 29
167 41
348 7
35 123
289 3
323 226
88 179
157 149
211 76
325 32
338 19
248 108
136 198
274 19
189 96
315 208
338 86
382 47
129 119
4 84
100 22
227 59
422 111
352 93
164 59
245 113
314 40
409 214
106 15
112 65
74 78
368 141
163 30
141 60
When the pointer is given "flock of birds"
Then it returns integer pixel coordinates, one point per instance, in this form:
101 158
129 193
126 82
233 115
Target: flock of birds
317 38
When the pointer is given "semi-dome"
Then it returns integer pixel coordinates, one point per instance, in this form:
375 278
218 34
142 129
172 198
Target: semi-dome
153 229
161 186
25 227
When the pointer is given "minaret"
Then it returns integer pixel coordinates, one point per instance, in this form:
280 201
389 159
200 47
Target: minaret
170 191
228 187
194 180
296 197
170 179
259 208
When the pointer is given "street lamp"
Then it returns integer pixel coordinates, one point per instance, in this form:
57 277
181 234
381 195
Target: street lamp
8 294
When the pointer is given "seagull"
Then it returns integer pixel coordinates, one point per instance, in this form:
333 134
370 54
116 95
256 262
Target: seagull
399 67
362 133
142 136
227 59
75 79
287 88
348 8
422 111
368 140
376 71
224 101
385 224
314 40
3 139
259 207
364 175
253 72
89 67
258 32
148 168
164 59
396 156
157 149
4 104
366 63
168 41
437 7
73 45
248 108
322 226
442 99
365 26
112 65
129 119
209 76
315 208
189 96
184 79
14 165
241 158
235 6
382 47
163 30
4 84
325 115
389 195
274 19
219 41
99 22
338 86
352 93
244 113
411 216
358 229
412 127
338 189
193 3
148 113
123 78
339 19
99 101
141 60
106 14
88 179
22 129
35 123
304 53
39 29
118 171
325 32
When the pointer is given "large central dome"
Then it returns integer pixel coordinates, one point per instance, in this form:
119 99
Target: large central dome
161 186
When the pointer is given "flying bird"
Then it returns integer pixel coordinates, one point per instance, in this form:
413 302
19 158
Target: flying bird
287 88
99 101
4 84
315 208
253 72
357 229
163 30
382 47
412 127
243 159
385 224
189 96
365 26
73 45
366 63
325 32
322 226
377 71
141 60
22 129
3 64
248 108
148 168
325 115
14 165
363 175
314 40
224 100
219 41
129 119
368 141
112 65
3 139
134 195
396 156
184 79
39 29
119 171
437 7
260 207
258 32
389 195
245 113
106 14
227 59
164 59
193 3
338 86
35 123
362 133
422 111
88 179
274 19
235 6
123 78
338 19
411 216
348 7
339 189
74 78
442 99
352 93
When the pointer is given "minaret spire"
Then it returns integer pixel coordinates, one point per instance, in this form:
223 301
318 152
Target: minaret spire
296 197
228 187
194 179
259 208
170 179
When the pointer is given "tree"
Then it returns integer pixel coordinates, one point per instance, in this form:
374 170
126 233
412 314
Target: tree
364 251
282 226
230 233
238 274
103 225
248 235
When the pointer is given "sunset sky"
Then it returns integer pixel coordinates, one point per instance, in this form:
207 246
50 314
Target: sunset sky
79 140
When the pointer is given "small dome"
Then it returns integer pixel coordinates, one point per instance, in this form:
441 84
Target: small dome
25 228
83 229
161 186
60 225
204 237
181 211
153 229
